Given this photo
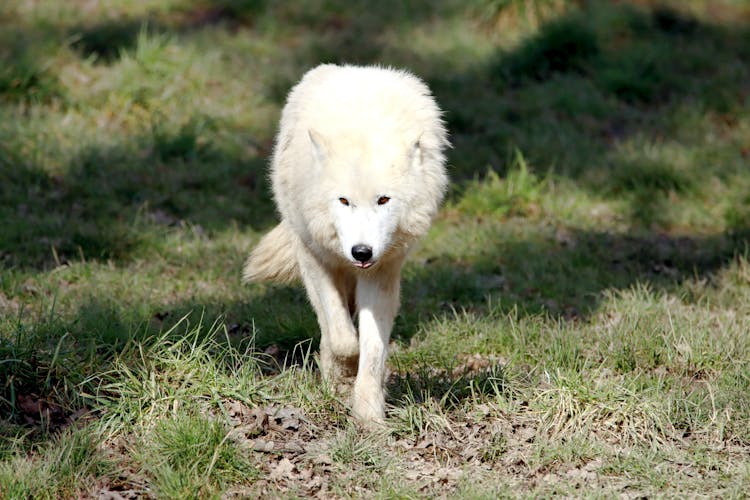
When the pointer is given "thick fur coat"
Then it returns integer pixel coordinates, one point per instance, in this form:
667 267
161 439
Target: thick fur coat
358 174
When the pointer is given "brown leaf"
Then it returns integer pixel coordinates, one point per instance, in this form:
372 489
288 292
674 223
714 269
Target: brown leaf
30 405
263 445
8 306
294 447
78 414
313 484
412 475
272 350
285 419
283 470
424 444
105 494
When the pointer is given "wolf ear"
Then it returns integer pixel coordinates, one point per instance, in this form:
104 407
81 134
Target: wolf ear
320 147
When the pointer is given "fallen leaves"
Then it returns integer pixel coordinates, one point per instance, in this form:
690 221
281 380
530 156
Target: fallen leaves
283 469
38 411
269 429
281 436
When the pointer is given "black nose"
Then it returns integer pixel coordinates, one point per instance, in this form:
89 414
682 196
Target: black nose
362 253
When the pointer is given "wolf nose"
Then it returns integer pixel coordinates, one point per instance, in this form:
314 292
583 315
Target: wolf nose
362 253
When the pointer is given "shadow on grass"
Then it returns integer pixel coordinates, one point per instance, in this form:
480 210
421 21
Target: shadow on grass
562 276
111 200
23 76
49 368
52 366
351 25
587 83
450 385
567 97
105 41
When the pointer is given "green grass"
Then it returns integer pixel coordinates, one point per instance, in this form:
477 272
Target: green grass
576 323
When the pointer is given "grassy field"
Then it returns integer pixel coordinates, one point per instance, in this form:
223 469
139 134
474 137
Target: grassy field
576 323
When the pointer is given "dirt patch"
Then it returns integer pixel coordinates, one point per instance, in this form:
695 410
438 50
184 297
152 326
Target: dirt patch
298 457
44 413
273 429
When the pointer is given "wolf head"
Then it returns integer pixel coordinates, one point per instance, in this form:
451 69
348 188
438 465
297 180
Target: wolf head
358 167
372 188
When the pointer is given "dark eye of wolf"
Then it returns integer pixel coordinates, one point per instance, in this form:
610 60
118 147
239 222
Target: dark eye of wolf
383 200
344 201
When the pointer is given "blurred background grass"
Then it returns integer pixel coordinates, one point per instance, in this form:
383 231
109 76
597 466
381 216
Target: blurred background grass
599 168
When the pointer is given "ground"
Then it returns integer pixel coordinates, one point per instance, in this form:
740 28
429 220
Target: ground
577 322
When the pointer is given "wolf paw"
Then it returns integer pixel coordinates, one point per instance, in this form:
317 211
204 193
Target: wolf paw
368 406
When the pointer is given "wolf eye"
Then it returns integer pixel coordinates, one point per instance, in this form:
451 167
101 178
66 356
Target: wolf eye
383 200
344 202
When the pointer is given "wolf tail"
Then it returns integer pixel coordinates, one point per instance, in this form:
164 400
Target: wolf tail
274 258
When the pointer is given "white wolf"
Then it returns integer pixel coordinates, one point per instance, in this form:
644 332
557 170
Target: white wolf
358 174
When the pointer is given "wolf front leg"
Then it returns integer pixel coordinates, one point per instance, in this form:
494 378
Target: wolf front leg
339 346
377 302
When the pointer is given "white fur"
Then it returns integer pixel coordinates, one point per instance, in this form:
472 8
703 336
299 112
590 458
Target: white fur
349 137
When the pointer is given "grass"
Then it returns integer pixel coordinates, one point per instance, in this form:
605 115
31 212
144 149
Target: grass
576 322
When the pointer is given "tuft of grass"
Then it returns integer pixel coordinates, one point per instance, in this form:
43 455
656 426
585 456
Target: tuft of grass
25 70
576 322
68 465
353 448
108 41
192 456
185 365
494 449
650 177
417 415
517 194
